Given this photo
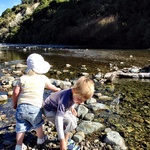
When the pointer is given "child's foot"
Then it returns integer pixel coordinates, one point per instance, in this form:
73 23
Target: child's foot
41 141
21 147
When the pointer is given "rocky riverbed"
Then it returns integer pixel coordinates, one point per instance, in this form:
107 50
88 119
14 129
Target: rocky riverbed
116 117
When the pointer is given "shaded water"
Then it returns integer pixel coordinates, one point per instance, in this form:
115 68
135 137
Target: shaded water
133 119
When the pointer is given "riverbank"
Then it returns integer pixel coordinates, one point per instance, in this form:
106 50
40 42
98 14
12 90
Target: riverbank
131 118
86 112
98 118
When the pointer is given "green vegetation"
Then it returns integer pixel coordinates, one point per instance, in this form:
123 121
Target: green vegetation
91 23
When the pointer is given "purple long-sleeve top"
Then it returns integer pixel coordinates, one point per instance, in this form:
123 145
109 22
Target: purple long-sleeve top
59 102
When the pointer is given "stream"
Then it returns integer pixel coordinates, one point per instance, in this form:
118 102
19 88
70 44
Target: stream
131 114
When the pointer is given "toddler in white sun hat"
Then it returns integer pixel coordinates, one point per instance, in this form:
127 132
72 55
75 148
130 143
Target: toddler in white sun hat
37 63
28 98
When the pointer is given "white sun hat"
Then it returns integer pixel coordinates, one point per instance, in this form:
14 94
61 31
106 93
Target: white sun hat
37 63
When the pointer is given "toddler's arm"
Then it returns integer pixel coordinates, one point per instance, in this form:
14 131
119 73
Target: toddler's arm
15 95
52 87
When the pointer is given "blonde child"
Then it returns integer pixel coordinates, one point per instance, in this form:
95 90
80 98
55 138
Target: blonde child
28 98
58 107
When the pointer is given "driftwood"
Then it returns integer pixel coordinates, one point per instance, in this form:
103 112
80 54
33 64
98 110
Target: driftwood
121 74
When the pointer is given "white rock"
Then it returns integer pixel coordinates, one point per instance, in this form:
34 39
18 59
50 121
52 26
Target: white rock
114 137
3 97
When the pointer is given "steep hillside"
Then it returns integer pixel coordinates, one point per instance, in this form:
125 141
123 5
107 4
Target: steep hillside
91 23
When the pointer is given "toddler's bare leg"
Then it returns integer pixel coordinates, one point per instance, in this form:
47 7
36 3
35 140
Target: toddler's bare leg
20 137
39 132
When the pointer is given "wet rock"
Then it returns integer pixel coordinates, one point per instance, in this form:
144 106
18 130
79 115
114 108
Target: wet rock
98 75
82 111
85 74
83 67
13 62
105 98
98 94
96 140
7 80
65 84
89 127
18 73
89 116
19 65
58 72
114 137
97 106
68 65
107 130
65 71
91 100
78 136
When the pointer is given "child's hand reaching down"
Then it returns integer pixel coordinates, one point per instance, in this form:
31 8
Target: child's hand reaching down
74 112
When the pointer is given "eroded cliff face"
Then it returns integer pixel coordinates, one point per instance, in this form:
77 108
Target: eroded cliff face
14 19
19 16
69 23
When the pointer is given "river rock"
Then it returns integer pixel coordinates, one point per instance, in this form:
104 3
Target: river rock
58 72
89 127
82 111
113 137
68 65
17 72
7 79
3 97
89 116
85 74
98 75
10 93
65 84
3 116
7 86
98 94
97 106
105 98
65 71
19 65
78 136
91 100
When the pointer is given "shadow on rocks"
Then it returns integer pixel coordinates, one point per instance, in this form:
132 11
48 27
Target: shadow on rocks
8 142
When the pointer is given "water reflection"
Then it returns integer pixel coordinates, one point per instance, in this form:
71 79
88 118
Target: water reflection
92 58
114 105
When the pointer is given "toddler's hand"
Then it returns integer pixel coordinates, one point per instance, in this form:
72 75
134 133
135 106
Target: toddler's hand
14 106
74 112
58 89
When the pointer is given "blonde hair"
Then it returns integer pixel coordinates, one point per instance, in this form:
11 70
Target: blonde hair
31 72
84 87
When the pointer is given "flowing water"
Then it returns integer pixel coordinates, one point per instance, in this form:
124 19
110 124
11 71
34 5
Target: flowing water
130 114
